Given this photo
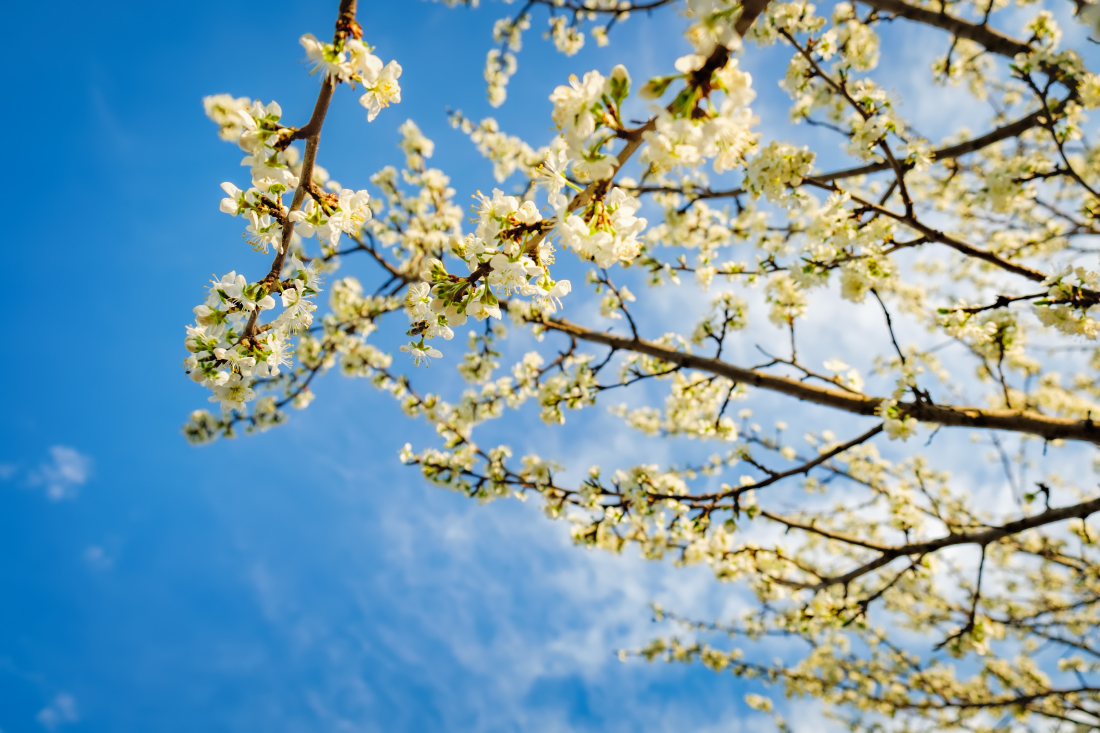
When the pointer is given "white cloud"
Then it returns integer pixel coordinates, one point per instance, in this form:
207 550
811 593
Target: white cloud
61 711
98 558
67 470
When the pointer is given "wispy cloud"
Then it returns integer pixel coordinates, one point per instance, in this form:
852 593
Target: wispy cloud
61 711
62 476
98 558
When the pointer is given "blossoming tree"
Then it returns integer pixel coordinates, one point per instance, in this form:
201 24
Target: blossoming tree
918 605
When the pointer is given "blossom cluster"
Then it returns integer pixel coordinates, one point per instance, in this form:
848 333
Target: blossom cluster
688 133
230 345
507 253
350 60
585 111
958 278
222 357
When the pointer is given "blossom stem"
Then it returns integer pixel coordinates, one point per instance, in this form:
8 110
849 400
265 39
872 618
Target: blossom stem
312 135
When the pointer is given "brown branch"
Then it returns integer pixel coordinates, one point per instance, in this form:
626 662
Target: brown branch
889 554
993 40
957 151
750 11
345 25
775 477
949 152
1018 421
842 89
935 235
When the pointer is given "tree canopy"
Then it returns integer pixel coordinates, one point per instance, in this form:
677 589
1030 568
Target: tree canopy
915 327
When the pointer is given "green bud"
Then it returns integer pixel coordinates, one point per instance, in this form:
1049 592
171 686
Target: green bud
619 83
655 87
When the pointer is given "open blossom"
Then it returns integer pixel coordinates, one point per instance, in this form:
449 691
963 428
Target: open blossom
326 58
233 393
573 107
224 109
483 308
361 61
259 126
918 153
382 90
548 293
551 174
353 210
329 221
577 113
354 62
297 307
234 200
510 275
421 353
897 425
418 301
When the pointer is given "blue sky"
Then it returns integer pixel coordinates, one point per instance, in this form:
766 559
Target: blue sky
299 580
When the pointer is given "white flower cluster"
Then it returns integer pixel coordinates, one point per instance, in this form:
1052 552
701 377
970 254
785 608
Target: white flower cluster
854 44
684 141
415 145
330 215
567 37
707 231
509 31
353 62
713 24
610 232
500 65
961 323
228 362
1060 310
580 114
499 68
229 347
507 253
794 18
787 299
256 129
836 237
867 132
776 168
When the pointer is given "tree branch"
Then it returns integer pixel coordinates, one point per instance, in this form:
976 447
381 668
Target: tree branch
889 554
993 40
1018 421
